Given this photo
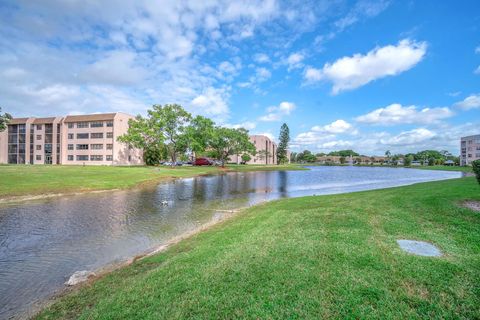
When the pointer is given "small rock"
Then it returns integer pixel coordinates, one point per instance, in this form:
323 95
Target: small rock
79 276
419 248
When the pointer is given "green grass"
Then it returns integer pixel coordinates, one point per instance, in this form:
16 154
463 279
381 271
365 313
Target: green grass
21 180
445 168
307 258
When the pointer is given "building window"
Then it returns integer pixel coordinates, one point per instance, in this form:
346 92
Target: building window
38 147
70 157
96 135
96 146
109 146
39 127
109 157
70 147
82 146
109 124
70 126
82 135
96 124
469 155
39 137
109 135
129 158
82 124
70 136
96 157
82 158
38 157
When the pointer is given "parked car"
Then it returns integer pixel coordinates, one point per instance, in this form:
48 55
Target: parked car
202 162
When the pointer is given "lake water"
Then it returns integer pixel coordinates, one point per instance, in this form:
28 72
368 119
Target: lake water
42 243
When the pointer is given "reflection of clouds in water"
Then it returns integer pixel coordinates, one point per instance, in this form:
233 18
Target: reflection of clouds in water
46 241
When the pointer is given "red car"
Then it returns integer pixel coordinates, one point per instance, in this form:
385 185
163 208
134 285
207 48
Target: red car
202 162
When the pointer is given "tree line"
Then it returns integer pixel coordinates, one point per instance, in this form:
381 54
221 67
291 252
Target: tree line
169 131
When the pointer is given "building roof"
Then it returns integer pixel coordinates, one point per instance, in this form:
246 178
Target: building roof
90 117
18 121
44 120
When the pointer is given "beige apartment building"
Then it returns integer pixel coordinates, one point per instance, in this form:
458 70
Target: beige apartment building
469 149
75 140
266 151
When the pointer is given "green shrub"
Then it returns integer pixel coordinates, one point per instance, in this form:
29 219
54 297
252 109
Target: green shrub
476 169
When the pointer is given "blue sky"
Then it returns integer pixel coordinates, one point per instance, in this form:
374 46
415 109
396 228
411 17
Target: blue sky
367 75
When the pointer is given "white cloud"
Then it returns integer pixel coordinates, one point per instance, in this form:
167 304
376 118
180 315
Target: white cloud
398 114
248 125
477 71
261 75
414 136
470 102
338 126
294 60
477 50
348 73
276 113
261 58
212 102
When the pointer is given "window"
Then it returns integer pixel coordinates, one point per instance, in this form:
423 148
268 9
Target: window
70 157
38 147
82 158
39 137
109 146
70 126
109 135
39 127
70 147
96 135
38 157
96 157
96 124
109 157
82 124
70 136
109 124
96 146
469 155
129 158
82 135
82 146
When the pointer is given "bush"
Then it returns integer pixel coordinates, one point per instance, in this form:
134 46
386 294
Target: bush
476 169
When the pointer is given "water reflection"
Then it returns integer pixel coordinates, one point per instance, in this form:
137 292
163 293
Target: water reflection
42 243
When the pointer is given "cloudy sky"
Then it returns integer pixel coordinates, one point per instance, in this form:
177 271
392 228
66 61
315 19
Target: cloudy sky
367 75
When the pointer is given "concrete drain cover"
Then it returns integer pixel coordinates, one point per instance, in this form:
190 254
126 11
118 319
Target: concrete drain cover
419 248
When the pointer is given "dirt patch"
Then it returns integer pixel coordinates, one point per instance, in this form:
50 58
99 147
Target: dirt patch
471 204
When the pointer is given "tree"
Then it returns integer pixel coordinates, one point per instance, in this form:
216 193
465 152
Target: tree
174 121
246 157
146 134
227 141
198 134
4 120
284 139
476 169
293 157
388 154
342 160
407 161
344 153
431 161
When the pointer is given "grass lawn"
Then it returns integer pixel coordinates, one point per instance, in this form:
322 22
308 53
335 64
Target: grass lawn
308 258
445 168
21 180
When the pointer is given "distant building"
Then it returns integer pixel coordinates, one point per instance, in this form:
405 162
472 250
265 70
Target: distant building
351 160
266 151
469 149
83 139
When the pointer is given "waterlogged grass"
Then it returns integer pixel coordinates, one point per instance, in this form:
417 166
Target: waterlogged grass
308 258
21 180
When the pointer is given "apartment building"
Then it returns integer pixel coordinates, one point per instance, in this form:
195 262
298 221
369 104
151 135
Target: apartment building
75 140
266 151
469 149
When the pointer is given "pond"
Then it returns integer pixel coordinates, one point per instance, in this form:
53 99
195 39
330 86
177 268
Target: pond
42 243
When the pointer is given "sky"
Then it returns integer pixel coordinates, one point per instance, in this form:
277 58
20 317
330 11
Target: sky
365 75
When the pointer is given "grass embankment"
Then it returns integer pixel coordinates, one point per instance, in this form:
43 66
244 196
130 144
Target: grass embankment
20 180
308 258
445 168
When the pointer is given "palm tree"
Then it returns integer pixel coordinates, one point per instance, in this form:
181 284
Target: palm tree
388 154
